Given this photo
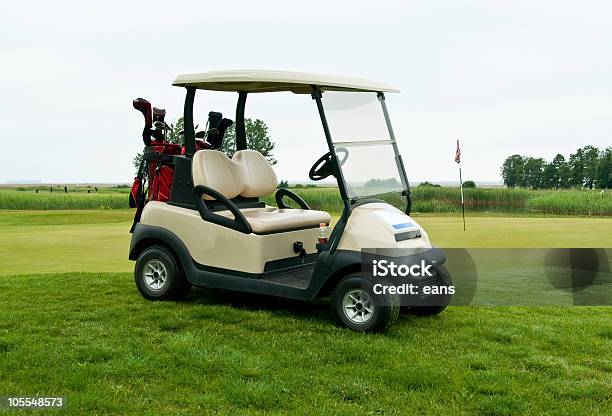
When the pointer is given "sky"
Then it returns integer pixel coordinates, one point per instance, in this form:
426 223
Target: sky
530 77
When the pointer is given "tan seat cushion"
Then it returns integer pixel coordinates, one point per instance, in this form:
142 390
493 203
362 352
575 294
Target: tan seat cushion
257 176
269 219
214 169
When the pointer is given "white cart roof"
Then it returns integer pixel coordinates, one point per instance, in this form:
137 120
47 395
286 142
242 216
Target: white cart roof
270 81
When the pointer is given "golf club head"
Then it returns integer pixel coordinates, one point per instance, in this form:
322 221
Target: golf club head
159 114
224 125
144 107
214 118
215 135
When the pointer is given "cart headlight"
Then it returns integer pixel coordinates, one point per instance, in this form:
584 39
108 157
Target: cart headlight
408 235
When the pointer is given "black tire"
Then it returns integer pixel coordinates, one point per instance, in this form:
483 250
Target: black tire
441 301
174 285
383 314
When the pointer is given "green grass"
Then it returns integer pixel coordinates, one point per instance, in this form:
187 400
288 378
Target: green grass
425 200
86 241
566 203
92 338
516 232
60 241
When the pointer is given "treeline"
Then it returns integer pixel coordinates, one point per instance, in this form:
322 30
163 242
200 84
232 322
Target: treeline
589 167
382 183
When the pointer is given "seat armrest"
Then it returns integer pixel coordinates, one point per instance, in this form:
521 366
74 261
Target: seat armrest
282 192
239 223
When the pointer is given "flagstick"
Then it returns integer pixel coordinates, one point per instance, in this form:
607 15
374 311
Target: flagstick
462 204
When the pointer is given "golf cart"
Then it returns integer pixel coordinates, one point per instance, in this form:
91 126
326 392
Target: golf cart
212 230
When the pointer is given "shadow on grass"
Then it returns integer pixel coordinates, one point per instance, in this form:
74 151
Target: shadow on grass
254 302
317 310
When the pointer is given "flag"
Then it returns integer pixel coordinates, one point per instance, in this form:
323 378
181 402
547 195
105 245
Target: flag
458 153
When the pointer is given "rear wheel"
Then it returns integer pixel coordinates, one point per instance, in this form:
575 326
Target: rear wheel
356 306
158 275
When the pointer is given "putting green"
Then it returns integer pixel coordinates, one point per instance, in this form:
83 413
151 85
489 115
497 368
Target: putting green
98 241
517 232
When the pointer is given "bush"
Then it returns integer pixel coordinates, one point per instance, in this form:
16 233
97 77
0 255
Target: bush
581 202
428 185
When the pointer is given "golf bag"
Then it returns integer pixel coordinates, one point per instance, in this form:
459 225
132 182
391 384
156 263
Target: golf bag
155 175
156 170
160 169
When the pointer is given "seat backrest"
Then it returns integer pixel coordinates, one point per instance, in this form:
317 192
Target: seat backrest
247 174
257 176
214 169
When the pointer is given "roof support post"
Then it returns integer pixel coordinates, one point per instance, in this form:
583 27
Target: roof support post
189 131
241 140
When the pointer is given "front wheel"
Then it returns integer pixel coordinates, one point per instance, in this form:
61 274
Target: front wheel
356 306
158 275
438 302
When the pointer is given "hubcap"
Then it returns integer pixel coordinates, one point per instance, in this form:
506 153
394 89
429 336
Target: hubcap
155 274
357 306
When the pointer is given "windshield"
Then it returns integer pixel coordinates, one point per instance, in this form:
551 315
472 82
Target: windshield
365 150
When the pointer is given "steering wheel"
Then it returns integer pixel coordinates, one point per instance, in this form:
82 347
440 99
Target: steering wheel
323 167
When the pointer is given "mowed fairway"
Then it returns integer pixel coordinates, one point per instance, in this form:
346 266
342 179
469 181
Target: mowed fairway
72 324
63 241
517 232
98 241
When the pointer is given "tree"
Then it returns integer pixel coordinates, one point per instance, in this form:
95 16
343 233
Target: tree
591 157
469 184
587 167
603 170
257 139
532 172
136 161
550 178
583 165
562 171
512 170
283 184
175 135
565 177
576 167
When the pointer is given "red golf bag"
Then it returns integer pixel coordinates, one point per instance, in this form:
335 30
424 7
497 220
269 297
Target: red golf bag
160 170
156 171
